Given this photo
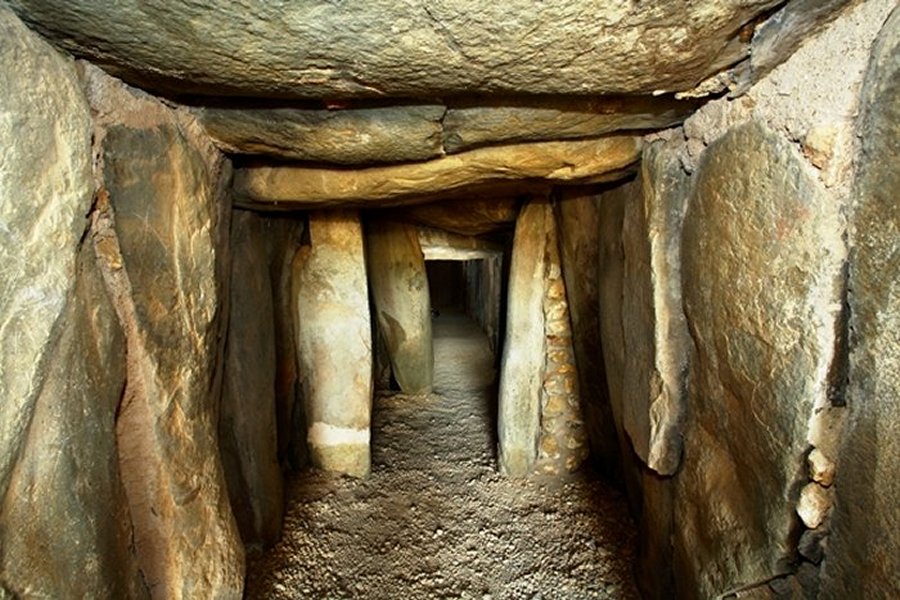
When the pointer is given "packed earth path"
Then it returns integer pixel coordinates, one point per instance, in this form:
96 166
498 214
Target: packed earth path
435 519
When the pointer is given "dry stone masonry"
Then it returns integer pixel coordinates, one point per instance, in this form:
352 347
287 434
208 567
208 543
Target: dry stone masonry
675 223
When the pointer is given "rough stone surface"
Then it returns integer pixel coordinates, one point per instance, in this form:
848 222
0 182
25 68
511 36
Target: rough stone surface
441 245
396 268
814 503
334 342
540 426
650 495
582 161
863 555
65 512
352 136
491 121
285 235
473 216
484 292
163 246
45 192
578 221
247 414
654 328
762 256
783 32
414 49
821 469
355 135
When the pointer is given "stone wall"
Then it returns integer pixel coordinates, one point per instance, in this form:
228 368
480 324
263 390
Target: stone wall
863 554
540 427
765 181
161 231
62 367
484 292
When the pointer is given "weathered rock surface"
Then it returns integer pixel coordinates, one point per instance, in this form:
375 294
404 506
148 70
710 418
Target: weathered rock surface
474 216
491 121
351 136
45 192
164 252
650 495
539 422
66 528
441 245
578 221
484 290
762 255
285 236
415 49
334 342
396 268
654 328
583 161
783 32
247 423
863 556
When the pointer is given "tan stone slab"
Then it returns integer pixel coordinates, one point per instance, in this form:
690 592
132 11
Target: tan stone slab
472 216
442 245
411 49
585 161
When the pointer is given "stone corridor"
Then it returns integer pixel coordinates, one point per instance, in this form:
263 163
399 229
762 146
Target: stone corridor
435 519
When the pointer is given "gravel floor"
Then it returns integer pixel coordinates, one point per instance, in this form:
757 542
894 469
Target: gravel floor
436 520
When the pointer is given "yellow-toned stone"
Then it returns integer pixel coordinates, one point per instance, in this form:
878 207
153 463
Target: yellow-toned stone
582 161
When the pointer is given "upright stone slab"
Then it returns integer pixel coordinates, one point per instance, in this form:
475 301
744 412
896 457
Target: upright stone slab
247 424
163 246
578 217
286 233
863 555
654 328
334 342
762 256
65 527
396 268
539 418
45 192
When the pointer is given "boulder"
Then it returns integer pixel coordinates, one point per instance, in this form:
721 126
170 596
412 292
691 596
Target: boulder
584 161
540 427
381 48
334 342
396 268
762 257
46 189
247 423
863 555
66 512
654 329
164 249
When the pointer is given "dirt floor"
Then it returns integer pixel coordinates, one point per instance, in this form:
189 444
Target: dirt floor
436 520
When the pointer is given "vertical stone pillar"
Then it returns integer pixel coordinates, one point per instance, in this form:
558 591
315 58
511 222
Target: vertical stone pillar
334 342
539 419
247 423
400 290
